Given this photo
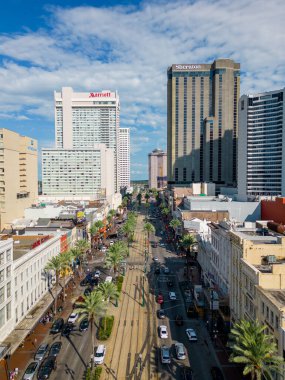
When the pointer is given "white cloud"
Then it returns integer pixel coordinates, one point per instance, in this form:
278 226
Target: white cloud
130 48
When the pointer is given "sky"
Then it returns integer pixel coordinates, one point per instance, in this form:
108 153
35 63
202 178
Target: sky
127 46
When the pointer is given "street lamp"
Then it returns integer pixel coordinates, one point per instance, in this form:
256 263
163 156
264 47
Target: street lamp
143 298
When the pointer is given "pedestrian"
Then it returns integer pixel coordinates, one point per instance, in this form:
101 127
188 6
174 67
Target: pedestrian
35 342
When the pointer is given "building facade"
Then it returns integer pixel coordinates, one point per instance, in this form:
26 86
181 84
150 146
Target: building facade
202 122
18 175
261 144
157 169
84 119
124 157
78 171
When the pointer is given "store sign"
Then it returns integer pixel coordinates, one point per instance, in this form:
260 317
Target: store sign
187 67
100 95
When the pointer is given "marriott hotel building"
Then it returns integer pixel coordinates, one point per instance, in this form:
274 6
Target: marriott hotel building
202 122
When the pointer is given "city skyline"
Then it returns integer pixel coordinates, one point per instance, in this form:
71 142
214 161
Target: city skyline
127 46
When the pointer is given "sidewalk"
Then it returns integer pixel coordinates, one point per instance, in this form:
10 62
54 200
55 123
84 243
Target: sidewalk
35 334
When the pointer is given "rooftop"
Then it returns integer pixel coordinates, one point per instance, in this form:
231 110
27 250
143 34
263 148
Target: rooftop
277 297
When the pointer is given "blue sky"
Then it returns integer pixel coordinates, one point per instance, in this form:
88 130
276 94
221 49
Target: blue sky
127 46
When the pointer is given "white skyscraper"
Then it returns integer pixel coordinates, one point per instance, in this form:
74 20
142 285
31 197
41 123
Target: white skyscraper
261 145
124 157
83 120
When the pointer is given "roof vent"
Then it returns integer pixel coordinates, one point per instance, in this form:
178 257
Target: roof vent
271 259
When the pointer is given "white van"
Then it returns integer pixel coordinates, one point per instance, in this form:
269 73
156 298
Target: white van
108 279
100 354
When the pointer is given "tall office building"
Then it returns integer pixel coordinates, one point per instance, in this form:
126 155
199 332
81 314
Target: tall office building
261 150
157 169
18 175
202 122
83 120
124 157
78 172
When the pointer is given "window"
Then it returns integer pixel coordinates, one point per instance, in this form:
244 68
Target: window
16 295
176 174
16 281
276 322
267 312
8 289
263 307
22 290
2 295
2 317
8 271
242 105
8 255
1 258
2 276
8 311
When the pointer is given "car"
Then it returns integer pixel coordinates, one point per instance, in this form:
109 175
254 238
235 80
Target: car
109 279
172 296
178 320
97 273
30 371
191 334
111 242
100 354
187 373
104 249
166 270
162 245
94 281
55 349
170 284
46 368
159 299
84 324
67 329
217 373
88 291
155 259
57 326
41 352
165 355
161 314
163 332
72 318
180 351
154 244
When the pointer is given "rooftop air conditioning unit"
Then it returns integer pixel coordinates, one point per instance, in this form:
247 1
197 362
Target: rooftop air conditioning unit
271 259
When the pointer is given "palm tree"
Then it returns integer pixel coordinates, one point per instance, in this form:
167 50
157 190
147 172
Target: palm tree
175 223
111 215
139 198
188 241
82 245
257 350
148 228
91 307
93 231
165 211
66 261
114 257
147 196
54 265
129 229
109 291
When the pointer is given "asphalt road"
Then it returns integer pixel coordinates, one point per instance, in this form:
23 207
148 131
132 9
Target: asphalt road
200 357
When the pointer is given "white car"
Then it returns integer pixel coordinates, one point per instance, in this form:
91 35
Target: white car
104 249
163 333
155 259
191 334
108 279
100 354
111 242
180 351
172 296
166 270
72 318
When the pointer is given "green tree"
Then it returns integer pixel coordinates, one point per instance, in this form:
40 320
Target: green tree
82 246
111 216
188 241
114 256
139 198
92 306
257 350
54 266
165 211
128 229
148 228
147 196
109 291
93 232
175 223
66 260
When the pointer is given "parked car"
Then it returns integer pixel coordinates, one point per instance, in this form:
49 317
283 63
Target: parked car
94 281
55 349
157 270
155 259
187 373
159 299
217 373
57 326
79 299
67 329
84 282
154 244
165 355
191 334
72 318
84 324
163 332
179 320
100 354
172 296
41 352
104 249
30 371
87 291
111 242
166 270
161 314
109 279
180 351
97 273
46 367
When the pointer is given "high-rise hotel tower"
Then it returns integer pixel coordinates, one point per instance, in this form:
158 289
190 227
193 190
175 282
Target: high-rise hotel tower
202 122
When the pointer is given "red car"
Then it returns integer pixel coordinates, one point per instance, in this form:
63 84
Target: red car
159 299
